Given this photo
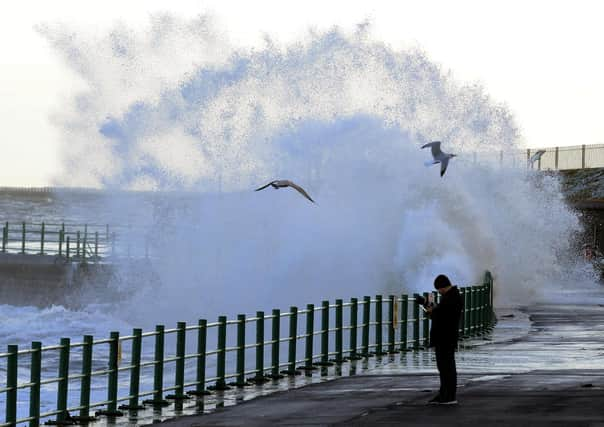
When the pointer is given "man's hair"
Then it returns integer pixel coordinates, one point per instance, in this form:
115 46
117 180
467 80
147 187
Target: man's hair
441 281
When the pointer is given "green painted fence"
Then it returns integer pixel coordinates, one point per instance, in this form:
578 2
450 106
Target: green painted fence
337 335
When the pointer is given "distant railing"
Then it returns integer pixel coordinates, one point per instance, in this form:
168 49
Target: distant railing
239 346
71 242
554 158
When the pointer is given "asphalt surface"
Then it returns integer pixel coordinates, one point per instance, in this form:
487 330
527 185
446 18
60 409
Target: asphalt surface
550 371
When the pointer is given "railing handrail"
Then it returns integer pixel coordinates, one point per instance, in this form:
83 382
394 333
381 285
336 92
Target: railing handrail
388 314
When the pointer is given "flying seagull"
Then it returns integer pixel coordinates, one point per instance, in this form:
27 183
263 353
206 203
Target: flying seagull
282 183
536 157
439 156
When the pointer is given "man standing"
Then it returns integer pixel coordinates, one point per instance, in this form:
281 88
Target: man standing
444 334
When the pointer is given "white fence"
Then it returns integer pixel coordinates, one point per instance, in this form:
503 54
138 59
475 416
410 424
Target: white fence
554 158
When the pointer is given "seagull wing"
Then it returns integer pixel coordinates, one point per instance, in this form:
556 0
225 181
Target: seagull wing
435 146
443 166
301 191
264 186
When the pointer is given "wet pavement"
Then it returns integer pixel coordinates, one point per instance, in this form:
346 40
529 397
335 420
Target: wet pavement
548 370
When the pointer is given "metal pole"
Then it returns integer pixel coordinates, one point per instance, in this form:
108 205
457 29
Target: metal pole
96 246
391 329
136 369
42 239
23 238
354 307
276 325
325 333
259 346
404 321
293 332
378 325
34 391
310 329
78 244
583 156
202 333
12 365
179 376
63 383
415 322
61 237
86 375
112 380
221 356
241 350
556 158
366 322
158 371
339 331
426 332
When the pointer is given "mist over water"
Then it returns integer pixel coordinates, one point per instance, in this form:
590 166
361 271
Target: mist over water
176 109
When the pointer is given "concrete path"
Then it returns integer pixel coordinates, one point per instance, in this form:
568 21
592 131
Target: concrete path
551 373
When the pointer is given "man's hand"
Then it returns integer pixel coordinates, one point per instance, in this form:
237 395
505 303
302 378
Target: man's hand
429 309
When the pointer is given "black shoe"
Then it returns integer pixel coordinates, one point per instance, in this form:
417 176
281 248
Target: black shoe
436 400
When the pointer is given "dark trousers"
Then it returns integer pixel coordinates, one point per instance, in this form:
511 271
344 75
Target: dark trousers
445 362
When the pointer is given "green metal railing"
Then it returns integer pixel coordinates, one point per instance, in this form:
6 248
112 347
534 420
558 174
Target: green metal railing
337 337
73 242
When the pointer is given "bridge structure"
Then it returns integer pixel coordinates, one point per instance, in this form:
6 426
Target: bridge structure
141 373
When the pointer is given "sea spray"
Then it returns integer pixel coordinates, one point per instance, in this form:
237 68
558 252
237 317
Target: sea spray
338 113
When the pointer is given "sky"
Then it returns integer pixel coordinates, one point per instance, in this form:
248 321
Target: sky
542 59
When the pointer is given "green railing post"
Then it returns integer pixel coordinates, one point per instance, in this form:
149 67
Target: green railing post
12 365
202 335
339 331
482 308
468 311
84 243
378 325
23 238
293 340
404 321
67 248
135 369
96 246
391 330
415 322
221 356
63 383
462 292
61 237
276 332
112 380
259 346
158 371
325 332
4 237
179 375
310 329
426 324
354 325
34 391
86 375
366 324
78 244
240 350
42 231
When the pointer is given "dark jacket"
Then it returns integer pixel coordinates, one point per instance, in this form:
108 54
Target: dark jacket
445 319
